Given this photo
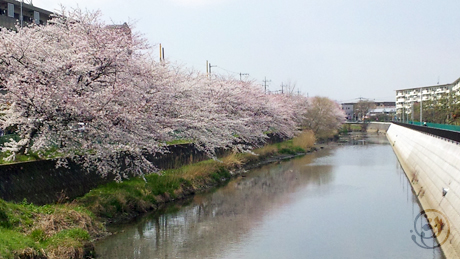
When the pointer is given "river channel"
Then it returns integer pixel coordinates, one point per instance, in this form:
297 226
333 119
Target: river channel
345 201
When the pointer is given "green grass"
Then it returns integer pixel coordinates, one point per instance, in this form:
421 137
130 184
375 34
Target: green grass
287 147
291 151
114 200
12 241
356 127
29 229
71 237
7 138
65 228
30 156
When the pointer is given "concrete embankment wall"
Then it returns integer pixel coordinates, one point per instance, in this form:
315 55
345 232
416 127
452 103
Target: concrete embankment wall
40 182
431 164
378 127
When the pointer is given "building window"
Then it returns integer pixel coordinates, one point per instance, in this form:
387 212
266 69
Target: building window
37 17
11 10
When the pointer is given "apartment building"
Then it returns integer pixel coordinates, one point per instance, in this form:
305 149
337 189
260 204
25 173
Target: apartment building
405 98
14 12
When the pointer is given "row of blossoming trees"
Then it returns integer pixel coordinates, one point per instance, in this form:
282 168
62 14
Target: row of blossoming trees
93 93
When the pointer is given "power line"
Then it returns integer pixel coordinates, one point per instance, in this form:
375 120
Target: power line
228 70
243 74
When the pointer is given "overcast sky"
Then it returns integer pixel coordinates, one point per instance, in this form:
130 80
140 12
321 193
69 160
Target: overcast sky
339 49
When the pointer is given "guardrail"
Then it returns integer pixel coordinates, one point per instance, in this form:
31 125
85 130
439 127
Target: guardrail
442 133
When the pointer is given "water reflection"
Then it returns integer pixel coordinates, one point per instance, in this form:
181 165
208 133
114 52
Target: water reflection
214 221
345 202
359 138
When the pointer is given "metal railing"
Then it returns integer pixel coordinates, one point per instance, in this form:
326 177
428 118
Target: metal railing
439 132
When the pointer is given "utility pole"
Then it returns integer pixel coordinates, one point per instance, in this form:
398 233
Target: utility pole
282 88
241 74
265 84
404 113
412 112
21 18
162 54
421 107
208 68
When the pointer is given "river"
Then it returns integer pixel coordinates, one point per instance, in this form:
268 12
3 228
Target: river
345 201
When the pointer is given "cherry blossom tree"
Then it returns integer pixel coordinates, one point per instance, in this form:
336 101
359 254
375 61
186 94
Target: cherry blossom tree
91 92
76 85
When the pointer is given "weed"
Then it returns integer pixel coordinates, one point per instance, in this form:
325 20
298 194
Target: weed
292 151
26 229
305 139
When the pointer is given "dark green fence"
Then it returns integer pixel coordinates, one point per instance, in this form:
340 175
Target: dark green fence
437 125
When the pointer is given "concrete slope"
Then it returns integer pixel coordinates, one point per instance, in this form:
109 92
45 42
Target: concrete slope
432 164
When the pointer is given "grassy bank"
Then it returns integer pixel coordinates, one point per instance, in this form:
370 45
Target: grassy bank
66 230
351 128
50 231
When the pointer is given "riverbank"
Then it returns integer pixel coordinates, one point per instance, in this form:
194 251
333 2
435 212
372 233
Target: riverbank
431 164
68 230
273 210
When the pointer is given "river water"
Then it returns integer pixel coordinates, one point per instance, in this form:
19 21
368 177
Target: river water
348 201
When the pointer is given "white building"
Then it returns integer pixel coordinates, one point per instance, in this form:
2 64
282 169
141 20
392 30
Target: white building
405 98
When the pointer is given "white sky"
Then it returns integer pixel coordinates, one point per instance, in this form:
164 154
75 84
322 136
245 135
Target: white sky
342 49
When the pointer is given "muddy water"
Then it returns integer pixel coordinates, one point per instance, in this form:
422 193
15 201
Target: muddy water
349 201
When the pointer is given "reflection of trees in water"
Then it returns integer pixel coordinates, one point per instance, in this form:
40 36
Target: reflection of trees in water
363 138
217 220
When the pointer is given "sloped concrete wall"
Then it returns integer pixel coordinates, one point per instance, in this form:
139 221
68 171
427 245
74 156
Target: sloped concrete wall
432 164
379 127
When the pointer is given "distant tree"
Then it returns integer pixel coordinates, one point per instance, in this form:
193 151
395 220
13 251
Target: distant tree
362 108
323 116
289 88
443 109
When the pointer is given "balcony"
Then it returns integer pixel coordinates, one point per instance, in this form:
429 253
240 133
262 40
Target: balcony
7 22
